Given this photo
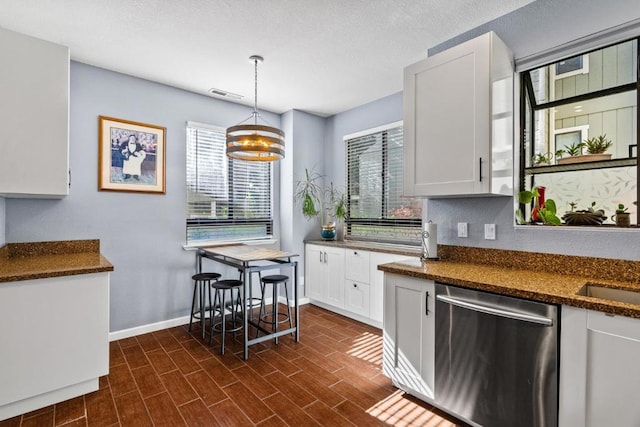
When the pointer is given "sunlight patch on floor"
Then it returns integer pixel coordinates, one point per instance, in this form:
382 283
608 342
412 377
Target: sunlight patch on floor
367 347
397 410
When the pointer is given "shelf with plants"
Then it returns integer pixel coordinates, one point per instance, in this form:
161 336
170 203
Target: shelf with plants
579 139
600 164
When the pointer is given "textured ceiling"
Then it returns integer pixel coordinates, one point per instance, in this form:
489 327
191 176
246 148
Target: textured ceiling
322 57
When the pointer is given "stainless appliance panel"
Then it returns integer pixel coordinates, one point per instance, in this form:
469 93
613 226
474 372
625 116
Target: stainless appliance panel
496 358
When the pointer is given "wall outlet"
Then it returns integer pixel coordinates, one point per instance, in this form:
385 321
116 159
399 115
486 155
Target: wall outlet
490 232
463 230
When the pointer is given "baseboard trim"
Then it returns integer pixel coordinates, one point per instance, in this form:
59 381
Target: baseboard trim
145 329
178 321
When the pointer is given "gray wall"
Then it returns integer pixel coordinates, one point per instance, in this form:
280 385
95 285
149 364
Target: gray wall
141 234
377 113
2 221
304 150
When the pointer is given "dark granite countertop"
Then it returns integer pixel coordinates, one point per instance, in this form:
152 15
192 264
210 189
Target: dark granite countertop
40 260
410 251
550 278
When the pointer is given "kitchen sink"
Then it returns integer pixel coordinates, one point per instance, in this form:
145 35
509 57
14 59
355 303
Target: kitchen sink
612 294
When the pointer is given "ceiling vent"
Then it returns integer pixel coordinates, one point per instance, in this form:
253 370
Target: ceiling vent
224 93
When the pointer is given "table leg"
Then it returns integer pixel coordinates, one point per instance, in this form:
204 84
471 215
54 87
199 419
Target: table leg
245 330
295 297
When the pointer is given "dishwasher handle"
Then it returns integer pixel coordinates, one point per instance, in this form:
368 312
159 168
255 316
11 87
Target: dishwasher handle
495 311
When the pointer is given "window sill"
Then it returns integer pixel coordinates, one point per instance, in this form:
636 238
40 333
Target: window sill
208 243
600 228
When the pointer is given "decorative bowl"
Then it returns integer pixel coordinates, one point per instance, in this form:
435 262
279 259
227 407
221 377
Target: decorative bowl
583 218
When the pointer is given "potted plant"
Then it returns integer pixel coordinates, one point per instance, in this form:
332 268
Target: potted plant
315 200
544 210
542 159
622 218
596 148
589 216
573 150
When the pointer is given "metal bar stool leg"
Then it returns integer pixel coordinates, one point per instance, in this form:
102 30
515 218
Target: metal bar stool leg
286 293
223 315
274 312
193 304
212 322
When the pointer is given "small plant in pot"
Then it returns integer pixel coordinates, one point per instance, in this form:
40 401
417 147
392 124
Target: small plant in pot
541 159
622 218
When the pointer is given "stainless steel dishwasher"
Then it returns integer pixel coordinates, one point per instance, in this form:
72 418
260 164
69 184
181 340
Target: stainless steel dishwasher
496 358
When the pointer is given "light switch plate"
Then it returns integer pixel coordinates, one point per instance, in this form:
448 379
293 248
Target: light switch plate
463 230
490 232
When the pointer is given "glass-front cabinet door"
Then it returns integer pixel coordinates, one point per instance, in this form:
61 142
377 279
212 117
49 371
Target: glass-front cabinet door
578 154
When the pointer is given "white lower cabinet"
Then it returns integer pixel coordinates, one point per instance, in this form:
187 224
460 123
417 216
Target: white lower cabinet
55 340
324 274
599 369
357 297
347 280
409 334
376 282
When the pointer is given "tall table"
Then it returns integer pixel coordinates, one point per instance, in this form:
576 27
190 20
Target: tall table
241 256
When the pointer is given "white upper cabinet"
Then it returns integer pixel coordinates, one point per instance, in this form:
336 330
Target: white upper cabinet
458 121
34 117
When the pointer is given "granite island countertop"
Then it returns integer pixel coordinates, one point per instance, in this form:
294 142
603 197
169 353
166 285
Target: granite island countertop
40 260
550 278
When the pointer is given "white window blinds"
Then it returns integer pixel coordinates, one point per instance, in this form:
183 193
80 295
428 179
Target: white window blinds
226 199
376 208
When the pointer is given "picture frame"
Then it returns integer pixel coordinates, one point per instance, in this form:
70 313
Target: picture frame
131 156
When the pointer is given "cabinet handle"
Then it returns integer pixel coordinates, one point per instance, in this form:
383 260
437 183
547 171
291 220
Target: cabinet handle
355 253
321 257
480 169
355 285
426 304
325 257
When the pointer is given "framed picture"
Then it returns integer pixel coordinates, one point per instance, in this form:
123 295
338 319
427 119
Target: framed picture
131 156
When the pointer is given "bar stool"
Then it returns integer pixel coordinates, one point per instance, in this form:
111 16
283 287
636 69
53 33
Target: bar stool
251 301
220 305
276 316
201 284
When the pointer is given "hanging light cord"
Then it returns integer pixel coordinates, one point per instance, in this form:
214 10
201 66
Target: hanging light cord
255 93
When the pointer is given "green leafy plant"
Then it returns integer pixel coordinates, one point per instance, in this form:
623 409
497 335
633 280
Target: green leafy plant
546 213
621 209
598 145
328 203
574 149
560 153
309 194
542 159
334 204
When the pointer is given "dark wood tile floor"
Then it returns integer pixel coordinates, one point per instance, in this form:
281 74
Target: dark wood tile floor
332 377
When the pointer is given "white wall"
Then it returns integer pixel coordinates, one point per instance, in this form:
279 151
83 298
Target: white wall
141 234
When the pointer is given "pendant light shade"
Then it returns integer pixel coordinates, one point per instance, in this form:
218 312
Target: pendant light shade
255 141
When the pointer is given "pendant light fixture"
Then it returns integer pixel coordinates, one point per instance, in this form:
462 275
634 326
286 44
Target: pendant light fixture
254 141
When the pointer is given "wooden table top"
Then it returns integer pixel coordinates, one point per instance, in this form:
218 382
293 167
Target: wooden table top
247 253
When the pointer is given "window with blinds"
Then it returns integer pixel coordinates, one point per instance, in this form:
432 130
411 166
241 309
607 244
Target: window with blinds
376 209
226 199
